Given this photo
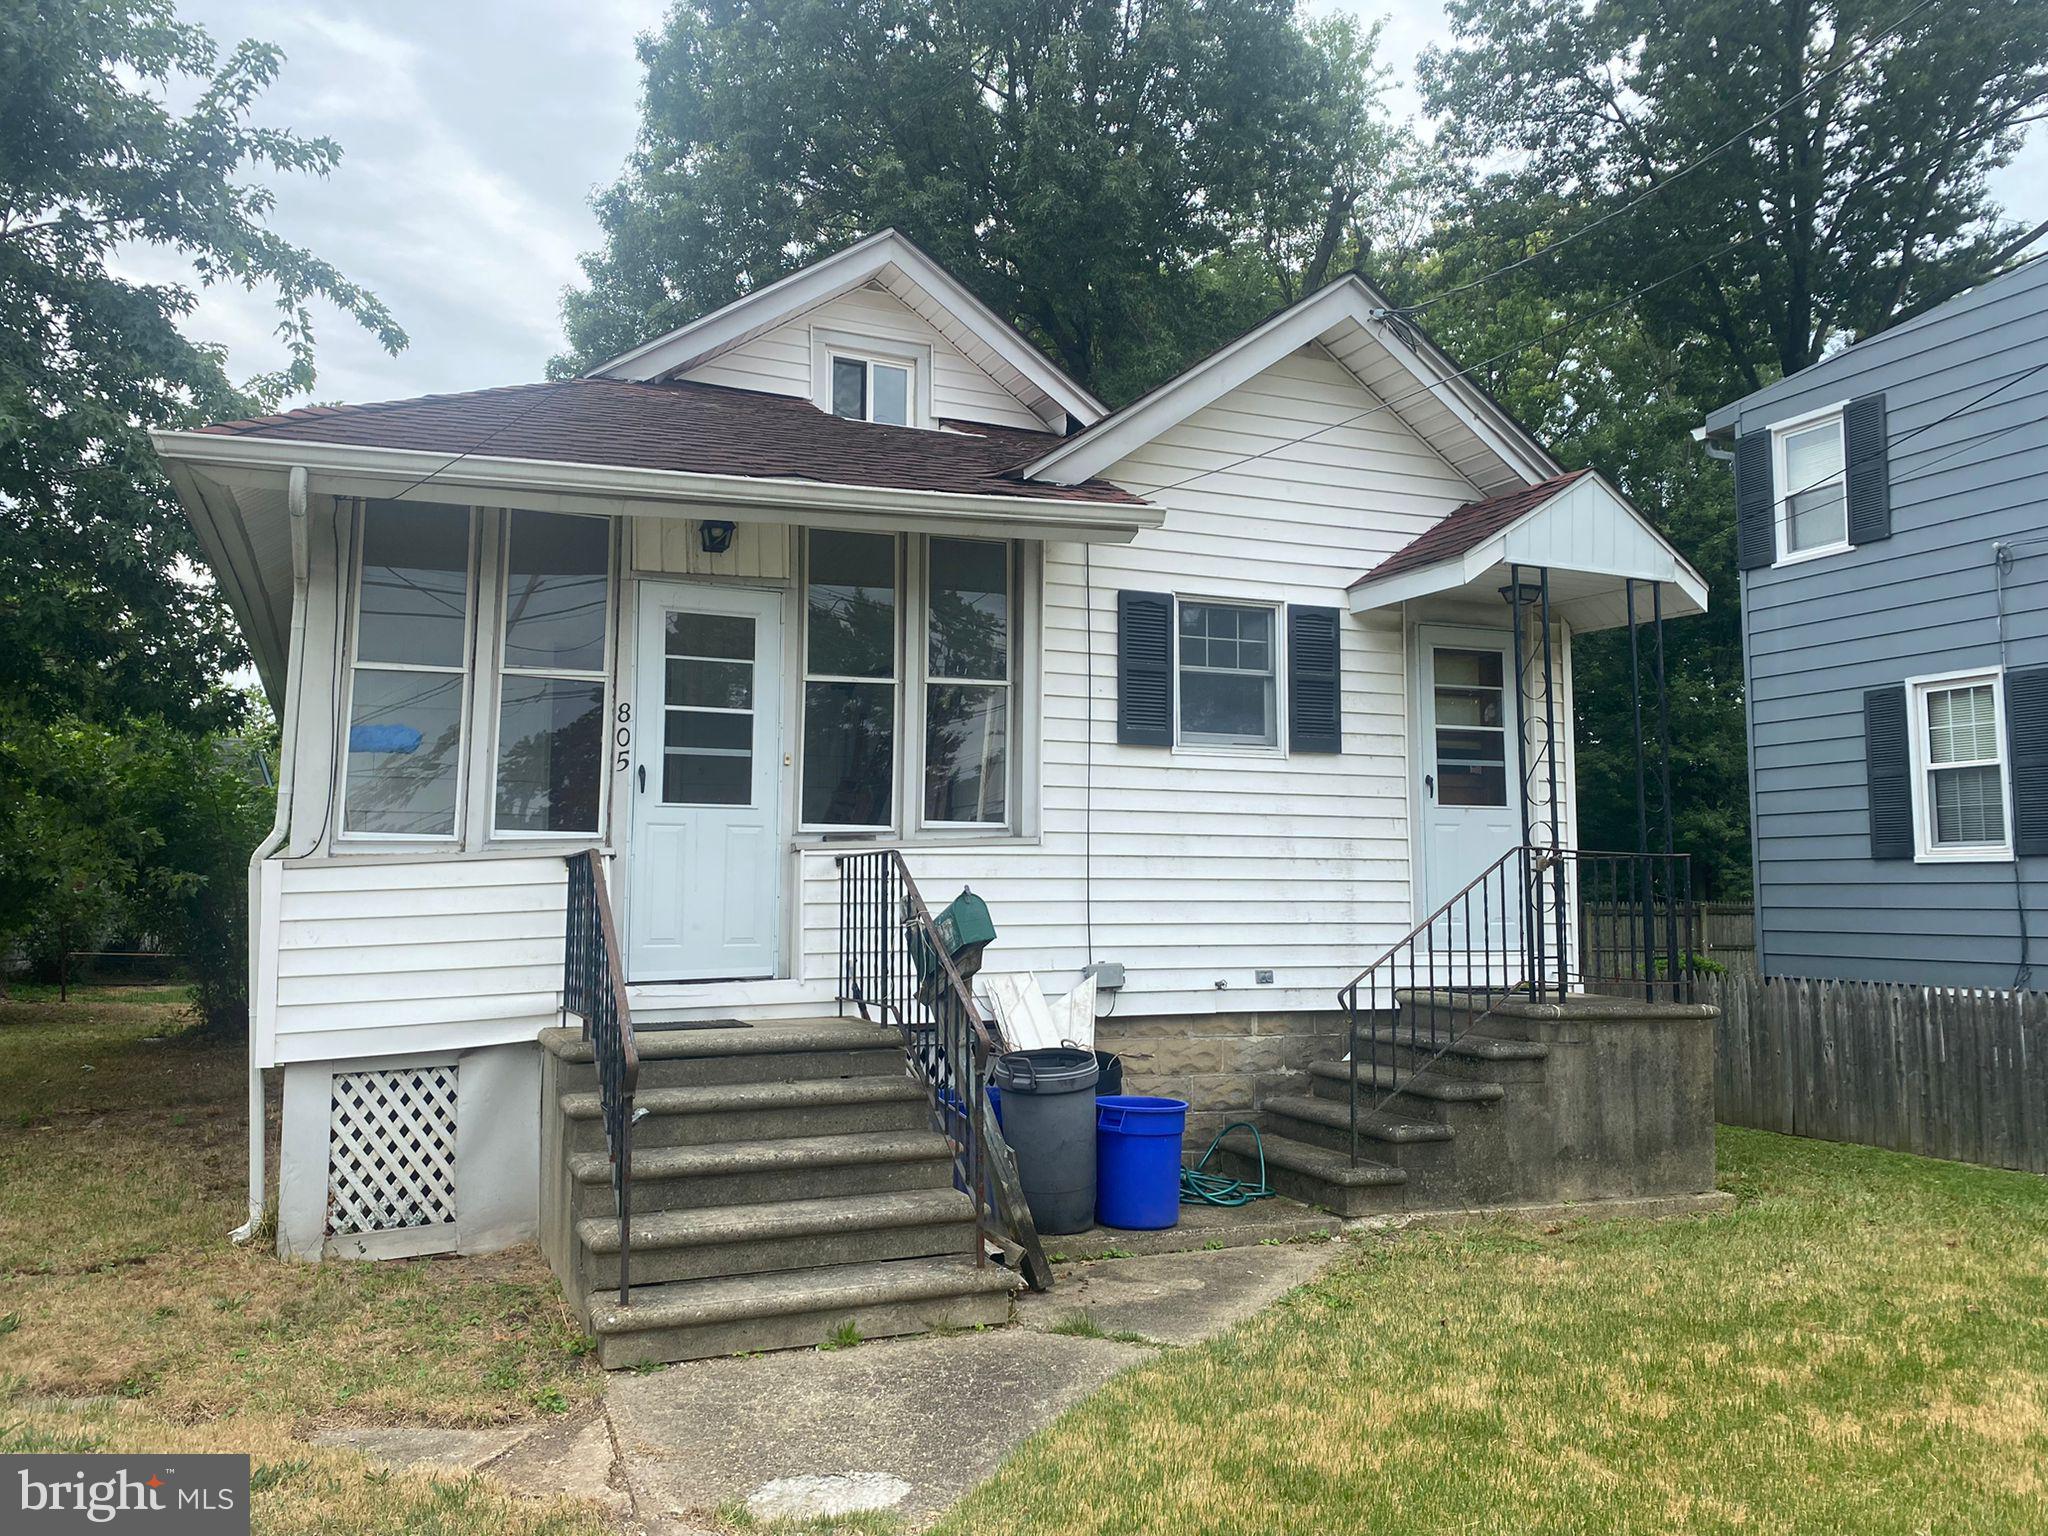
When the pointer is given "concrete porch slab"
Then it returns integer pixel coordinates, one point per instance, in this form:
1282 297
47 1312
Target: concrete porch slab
915 1422
1174 1298
1273 1220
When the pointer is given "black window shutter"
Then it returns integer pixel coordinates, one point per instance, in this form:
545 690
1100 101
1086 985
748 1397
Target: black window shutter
2026 729
1144 669
1315 707
1867 468
1755 502
1888 766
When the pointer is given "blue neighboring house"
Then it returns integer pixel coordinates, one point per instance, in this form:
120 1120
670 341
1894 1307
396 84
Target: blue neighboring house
1892 525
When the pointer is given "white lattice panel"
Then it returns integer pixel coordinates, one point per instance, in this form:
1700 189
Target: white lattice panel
391 1150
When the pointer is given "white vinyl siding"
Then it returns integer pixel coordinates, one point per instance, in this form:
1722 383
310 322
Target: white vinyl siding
367 958
1206 868
780 360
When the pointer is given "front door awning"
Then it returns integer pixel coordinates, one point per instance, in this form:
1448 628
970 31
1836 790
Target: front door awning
1577 526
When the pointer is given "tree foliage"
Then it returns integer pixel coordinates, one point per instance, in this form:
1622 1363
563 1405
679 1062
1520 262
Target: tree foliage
1862 204
1130 181
103 611
116 807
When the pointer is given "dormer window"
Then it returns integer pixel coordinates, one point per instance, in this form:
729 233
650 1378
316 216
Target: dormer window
871 389
886 379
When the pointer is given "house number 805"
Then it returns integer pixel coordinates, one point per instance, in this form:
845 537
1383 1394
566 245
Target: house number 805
622 736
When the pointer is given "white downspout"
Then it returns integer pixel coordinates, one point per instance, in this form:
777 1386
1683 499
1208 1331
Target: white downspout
280 828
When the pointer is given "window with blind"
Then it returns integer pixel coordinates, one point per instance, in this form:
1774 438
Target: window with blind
1960 787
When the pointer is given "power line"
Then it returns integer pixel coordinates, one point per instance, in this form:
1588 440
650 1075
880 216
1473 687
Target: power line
1686 170
1884 450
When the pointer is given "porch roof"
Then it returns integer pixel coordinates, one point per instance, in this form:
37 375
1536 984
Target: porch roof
1576 525
687 428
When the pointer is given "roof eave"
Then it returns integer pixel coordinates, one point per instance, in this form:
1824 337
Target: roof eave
825 280
1092 451
556 485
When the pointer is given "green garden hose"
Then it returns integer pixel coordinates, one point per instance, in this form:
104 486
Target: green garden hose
1200 1188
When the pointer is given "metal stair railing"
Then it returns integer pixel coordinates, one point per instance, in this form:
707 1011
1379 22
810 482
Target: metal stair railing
594 989
1537 923
895 968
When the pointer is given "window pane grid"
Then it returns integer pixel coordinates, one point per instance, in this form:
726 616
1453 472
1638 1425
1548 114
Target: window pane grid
1227 675
1964 778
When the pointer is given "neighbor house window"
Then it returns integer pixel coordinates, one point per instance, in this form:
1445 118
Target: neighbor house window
551 684
404 770
1813 499
1960 787
871 389
1226 676
967 682
850 651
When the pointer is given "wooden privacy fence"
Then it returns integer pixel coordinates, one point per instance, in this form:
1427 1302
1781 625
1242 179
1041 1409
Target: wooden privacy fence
1949 1073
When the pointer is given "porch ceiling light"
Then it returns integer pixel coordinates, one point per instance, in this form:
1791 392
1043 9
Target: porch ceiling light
716 537
1527 592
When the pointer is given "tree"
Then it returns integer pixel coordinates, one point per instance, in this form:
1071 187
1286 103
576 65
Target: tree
1130 181
1861 204
103 611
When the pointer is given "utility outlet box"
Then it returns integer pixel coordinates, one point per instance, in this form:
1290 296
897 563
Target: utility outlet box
1108 974
1263 978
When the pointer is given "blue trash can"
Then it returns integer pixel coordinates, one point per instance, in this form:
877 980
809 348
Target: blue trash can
1137 1161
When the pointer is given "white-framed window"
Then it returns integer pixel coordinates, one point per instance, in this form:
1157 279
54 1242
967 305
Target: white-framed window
968 590
852 645
910 685
1811 508
1226 674
554 649
408 678
871 378
873 389
1962 793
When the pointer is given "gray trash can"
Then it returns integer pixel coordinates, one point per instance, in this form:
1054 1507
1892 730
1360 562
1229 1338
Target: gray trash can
1049 1121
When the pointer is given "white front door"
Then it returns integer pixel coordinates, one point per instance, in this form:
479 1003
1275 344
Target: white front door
707 828
1470 812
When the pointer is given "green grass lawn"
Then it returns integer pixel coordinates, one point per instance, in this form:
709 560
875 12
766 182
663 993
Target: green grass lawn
1860 1347
128 1322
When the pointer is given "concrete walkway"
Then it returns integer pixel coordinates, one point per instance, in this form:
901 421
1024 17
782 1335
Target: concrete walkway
903 1425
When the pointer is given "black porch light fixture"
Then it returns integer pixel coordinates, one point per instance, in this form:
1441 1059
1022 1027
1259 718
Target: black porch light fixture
1522 594
716 537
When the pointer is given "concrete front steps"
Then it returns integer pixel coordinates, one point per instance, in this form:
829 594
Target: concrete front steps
1428 1122
1585 1099
786 1185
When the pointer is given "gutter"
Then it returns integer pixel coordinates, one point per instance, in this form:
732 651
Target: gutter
280 829
553 484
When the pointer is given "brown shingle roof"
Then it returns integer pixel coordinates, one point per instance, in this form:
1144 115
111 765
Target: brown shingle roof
1470 524
688 428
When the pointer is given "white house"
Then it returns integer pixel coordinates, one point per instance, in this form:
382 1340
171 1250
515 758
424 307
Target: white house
1219 687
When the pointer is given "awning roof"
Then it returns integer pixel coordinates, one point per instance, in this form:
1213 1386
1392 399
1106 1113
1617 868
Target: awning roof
1575 525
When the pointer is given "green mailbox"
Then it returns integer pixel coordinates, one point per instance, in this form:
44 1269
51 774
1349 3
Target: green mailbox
965 928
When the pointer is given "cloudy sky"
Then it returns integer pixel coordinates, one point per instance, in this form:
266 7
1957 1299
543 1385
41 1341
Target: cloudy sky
474 132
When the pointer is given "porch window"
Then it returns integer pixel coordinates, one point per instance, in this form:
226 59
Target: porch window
850 650
404 769
1961 788
552 674
967 686
1226 674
